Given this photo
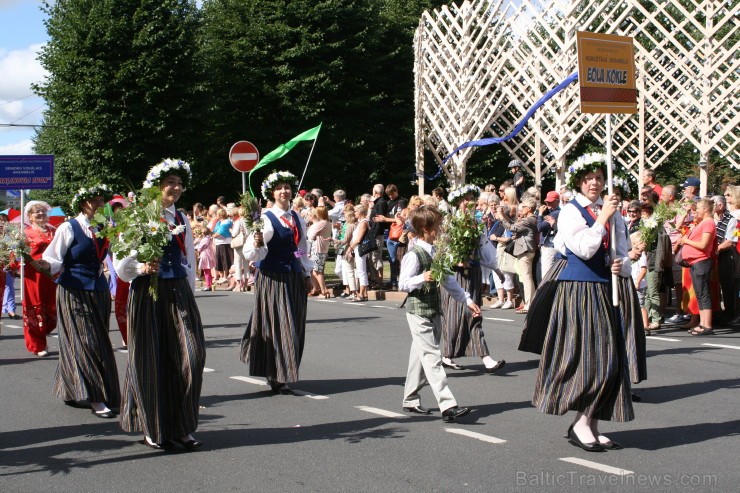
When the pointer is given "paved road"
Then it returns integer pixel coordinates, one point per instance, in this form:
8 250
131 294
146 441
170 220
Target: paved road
349 433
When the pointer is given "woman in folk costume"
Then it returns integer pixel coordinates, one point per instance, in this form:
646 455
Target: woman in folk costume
273 342
462 333
87 366
40 292
166 348
583 366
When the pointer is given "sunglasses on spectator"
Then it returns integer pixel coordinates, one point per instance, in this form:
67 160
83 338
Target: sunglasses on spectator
632 211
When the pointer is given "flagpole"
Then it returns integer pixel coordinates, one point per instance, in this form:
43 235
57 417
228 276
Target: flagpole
307 161
23 235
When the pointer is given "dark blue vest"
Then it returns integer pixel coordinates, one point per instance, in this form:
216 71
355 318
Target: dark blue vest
281 248
170 265
81 263
591 270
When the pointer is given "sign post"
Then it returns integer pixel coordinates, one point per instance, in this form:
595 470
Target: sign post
606 75
244 156
23 173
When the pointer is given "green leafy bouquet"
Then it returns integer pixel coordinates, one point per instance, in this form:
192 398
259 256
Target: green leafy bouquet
252 212
648 227
140 230
457 243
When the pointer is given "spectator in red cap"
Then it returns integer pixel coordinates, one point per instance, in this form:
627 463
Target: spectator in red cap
547 227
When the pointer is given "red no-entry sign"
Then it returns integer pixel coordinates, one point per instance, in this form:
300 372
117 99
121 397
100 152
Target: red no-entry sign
244 156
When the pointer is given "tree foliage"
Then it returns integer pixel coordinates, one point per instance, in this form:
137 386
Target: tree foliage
122 92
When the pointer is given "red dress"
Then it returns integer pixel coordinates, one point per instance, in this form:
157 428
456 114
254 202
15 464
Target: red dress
39 294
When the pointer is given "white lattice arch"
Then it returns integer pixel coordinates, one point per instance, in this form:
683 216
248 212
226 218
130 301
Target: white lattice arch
480 65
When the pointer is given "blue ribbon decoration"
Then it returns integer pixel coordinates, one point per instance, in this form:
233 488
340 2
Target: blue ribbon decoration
519 126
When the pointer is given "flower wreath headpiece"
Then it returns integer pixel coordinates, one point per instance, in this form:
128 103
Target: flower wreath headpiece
273 179
87 193
169 166
623 184
584 164
459 193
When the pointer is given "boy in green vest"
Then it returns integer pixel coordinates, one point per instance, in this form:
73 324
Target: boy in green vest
424 309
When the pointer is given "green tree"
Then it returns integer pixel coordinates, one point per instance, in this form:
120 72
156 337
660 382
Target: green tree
122 92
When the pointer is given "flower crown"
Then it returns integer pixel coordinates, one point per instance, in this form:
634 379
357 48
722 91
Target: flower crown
624 184
273 179
167 167
87 193
458 194
584 164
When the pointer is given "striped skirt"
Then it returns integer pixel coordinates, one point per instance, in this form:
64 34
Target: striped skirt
538 315
166 356
583 366
633 329
273 342
462 334
87 367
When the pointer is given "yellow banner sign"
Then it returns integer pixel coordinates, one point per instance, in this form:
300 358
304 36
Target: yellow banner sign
606 73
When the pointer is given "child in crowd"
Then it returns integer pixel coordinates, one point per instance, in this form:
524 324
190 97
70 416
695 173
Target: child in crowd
207 260
639 271
424 315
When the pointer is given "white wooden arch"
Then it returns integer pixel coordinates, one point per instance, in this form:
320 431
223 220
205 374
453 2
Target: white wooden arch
481 64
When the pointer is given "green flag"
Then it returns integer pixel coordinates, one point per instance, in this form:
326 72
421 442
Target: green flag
283 149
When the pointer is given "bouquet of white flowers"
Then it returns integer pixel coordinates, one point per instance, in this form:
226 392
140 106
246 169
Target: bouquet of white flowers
140 230
12 244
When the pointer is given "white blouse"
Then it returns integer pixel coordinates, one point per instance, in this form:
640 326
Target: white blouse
57 249
575 235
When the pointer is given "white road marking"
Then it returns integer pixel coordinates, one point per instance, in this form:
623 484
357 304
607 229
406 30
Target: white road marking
208 370
12 326
327 301
355 303
726 346
382 306
381 412
122 351
55 336
255 381
669 339
309 395
498 319
477 436
597 466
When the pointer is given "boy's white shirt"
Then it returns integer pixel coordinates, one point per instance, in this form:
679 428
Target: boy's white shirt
408 280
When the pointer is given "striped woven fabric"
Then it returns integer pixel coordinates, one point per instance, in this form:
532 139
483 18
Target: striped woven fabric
166 356
538 315
462 334
273 342
633 329
583 366
87 367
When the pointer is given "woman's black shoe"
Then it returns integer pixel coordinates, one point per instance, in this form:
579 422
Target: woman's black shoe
104 414
190 445
588 447
166 445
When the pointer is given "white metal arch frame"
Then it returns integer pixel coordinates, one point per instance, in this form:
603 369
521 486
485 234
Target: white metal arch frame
481 64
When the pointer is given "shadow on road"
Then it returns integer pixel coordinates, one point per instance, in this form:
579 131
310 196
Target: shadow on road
675 436
668 393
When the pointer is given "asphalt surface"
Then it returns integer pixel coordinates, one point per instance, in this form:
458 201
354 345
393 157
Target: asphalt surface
349 432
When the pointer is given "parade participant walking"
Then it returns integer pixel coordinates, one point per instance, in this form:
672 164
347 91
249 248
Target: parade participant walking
273 341
166 348
462 333
424 310
40 292
87 367
583 362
